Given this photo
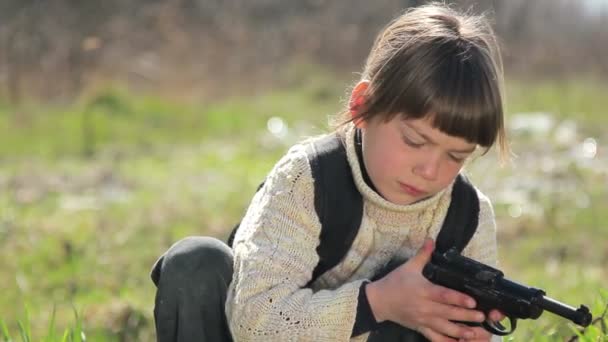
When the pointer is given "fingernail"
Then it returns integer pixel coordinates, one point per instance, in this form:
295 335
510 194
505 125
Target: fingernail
480 317
470 303
469 335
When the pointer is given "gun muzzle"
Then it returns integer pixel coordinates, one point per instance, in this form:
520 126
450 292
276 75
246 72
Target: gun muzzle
580 316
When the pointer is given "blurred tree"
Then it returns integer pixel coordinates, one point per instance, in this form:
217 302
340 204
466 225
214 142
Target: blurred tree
52 47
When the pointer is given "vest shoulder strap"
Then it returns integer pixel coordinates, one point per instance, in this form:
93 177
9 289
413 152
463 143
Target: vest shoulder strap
338 202
462 217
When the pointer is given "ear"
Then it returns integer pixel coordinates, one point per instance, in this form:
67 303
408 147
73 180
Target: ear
357 102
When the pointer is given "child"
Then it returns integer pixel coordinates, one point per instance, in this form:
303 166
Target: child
428 99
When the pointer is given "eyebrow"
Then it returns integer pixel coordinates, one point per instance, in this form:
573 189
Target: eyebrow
426 137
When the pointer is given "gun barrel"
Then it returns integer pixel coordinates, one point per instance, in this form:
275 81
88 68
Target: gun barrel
517 301
580 316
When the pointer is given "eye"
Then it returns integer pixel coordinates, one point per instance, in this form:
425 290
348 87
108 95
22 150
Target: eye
457 159
412 143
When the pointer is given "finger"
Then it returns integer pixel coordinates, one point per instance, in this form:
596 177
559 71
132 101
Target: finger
489 339
434 336
455 313
452 313
423 256
454 330
481 334
445 295
496 315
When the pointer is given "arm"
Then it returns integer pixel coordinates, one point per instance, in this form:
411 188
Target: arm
275 254
483 246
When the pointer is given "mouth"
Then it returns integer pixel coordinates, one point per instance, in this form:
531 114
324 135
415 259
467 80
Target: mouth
410 190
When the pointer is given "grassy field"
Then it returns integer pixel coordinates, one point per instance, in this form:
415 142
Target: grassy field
92 193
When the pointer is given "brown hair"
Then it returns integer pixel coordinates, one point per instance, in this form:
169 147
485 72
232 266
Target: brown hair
433 60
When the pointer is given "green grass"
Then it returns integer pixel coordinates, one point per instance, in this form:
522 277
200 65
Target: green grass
74 333
582 100
92 193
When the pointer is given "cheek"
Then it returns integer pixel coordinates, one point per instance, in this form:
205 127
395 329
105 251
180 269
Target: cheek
393 158
448 172
382 161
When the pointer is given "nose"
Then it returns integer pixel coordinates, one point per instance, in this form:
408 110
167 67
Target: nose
428 168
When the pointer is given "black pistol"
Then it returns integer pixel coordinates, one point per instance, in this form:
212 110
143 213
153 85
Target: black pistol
491 290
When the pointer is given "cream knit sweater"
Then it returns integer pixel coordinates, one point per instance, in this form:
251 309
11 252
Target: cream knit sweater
275 254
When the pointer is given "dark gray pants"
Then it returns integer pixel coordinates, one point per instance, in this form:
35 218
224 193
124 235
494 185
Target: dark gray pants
192 280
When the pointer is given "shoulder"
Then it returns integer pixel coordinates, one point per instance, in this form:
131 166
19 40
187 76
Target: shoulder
468 190
486 210
483 245
293 172
302 156
295 158
286 199
293 167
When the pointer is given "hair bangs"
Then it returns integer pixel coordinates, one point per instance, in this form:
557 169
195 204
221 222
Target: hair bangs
404 87
467 102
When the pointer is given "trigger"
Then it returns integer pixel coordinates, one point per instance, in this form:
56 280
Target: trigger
497 328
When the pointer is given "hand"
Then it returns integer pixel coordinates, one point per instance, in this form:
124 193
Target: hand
406 297
481 334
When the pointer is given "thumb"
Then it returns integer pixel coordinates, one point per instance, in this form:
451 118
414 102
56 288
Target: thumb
423 256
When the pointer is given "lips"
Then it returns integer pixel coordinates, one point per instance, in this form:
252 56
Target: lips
410 190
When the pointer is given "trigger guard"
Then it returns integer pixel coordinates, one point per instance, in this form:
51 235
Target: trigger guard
498 329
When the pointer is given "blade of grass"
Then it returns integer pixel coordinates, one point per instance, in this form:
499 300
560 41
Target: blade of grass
5 335
79 334
27 325
578 334
25 336
50 337
66 335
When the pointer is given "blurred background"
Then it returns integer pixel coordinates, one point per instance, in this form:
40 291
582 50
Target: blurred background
128 125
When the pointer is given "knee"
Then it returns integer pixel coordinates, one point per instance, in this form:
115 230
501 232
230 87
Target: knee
197 256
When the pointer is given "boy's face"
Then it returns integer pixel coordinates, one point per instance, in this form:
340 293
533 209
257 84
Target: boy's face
408 160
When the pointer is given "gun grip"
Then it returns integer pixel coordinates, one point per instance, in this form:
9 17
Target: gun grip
498 329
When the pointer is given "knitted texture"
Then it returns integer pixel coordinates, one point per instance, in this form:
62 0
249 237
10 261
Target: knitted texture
275 253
